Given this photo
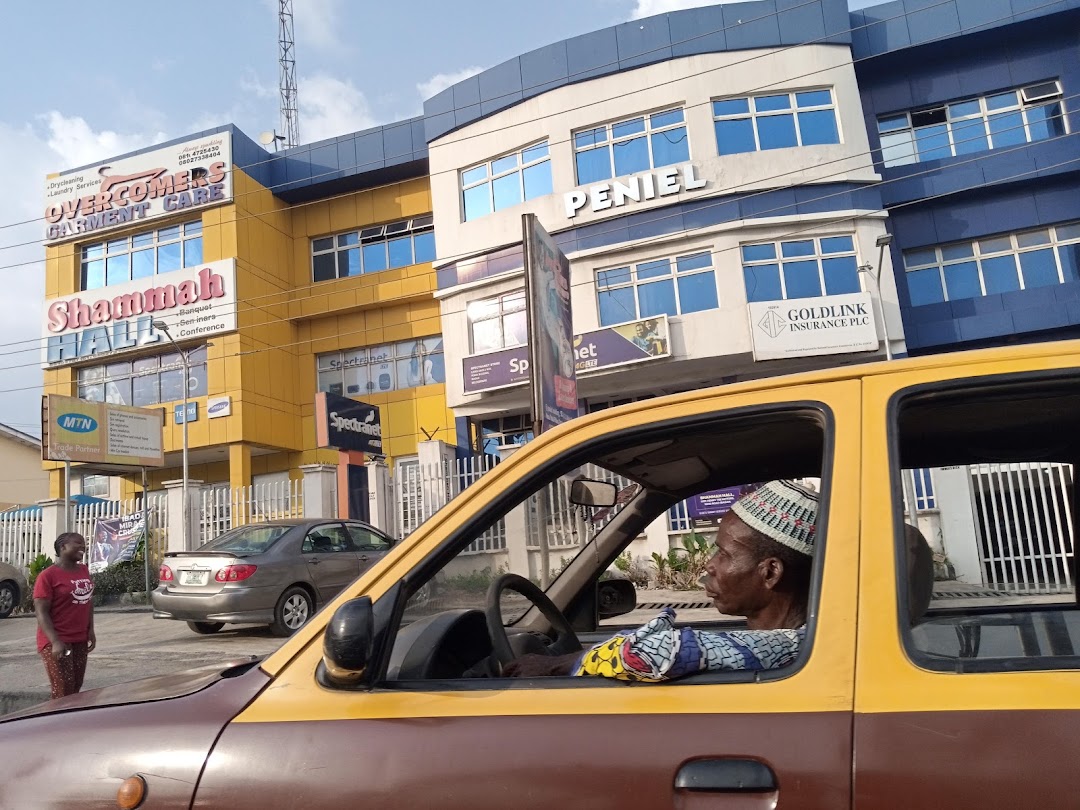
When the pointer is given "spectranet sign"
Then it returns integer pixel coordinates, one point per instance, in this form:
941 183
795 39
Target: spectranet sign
75 429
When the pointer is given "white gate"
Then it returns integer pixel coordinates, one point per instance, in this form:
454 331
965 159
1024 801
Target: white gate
421 490
222 508
1024 525
20 537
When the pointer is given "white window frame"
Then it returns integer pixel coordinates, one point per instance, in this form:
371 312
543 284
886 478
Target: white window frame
110 249
817 257
793 110
985 113
499 315
369 235
610 141
978 255
490 177
673 275
324 364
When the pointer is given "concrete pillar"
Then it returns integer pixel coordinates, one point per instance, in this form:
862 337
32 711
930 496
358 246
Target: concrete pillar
517 530
174 515
52 524
239 465
959 539
382 507
656 539
436 459
320 490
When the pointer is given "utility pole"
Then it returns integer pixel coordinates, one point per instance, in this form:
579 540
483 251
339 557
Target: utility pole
290 116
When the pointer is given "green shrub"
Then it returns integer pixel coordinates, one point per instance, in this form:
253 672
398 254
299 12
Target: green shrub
37 565
121 578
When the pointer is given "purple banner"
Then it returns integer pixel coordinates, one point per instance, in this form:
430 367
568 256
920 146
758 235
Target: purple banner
633 342
709 507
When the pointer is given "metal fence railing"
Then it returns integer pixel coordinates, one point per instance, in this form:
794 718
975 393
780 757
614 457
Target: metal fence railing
20 536
222 508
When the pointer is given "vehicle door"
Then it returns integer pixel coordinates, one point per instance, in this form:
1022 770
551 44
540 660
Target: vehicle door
722 740
332 563
968 679
369 545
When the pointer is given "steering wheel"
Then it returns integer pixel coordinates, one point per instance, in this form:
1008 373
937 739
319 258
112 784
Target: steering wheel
566 640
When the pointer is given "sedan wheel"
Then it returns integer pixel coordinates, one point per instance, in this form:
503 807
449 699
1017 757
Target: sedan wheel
9 595
293 610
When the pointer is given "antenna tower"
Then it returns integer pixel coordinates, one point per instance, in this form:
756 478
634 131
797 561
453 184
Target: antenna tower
290 118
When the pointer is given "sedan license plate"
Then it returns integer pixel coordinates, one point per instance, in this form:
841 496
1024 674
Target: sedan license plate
194 577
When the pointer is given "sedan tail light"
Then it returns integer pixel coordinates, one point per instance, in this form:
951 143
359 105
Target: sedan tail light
165 574
235 573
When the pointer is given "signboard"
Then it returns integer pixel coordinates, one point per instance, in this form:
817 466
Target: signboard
347 424
551 328
706 508
116 319
115 540
625 344
808 327
646 186
192 413
185 176
217 407
77 430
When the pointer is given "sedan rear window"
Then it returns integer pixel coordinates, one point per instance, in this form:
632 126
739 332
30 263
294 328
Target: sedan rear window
247 540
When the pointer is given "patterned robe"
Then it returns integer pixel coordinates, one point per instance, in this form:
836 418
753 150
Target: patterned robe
659 651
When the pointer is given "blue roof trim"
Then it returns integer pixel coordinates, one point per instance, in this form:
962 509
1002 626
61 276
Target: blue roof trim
686 216
889 27
712 29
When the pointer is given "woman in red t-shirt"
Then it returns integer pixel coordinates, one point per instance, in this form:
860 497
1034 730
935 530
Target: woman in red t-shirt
64 604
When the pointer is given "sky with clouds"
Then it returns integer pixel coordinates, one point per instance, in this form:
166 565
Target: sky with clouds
84 84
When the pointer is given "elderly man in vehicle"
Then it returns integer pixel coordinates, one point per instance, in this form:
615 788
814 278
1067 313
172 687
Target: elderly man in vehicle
761 570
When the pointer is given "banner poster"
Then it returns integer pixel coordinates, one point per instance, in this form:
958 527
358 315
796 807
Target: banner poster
551 329
115 540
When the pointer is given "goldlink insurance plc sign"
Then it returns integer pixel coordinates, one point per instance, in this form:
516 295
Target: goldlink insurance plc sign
194 302
806 327
175 178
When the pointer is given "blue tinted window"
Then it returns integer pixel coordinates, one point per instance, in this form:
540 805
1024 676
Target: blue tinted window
424 247
375 257
322 267
593 165
962 281
1046 122
534 153
473 175
837 244
1039 268
192 252
735 136
697 261
1007 129
477 202
670 146
841 275
776 131
804 247
818 127
616 306
142 261
631 156
891 123
94 274
507 190
657 298
731 106
625 128
697 292
813 98
933 142
400 251
970 136
348 262
590 137
924 287
504 164
666 119
953 252
762 283
1001 100
801 279
654 269
118 268
168 257
999 274
611 278
537 180
754 253
965 108
1070 261
898 148
771 103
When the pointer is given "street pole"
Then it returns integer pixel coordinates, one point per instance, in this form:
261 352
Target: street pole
882 242
163 327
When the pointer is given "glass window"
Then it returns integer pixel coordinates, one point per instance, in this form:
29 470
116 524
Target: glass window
373 249
631 146
506 181
145 381
141 255
355 372
811 267
973 125
779 121
672 285
497 323
994 265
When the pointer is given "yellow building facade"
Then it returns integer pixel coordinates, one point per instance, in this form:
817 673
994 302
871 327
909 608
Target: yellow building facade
291 319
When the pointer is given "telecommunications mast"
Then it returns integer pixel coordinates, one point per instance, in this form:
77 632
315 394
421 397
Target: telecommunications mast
290 118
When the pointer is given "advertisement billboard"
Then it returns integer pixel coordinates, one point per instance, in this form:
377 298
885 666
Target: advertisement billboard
74 429
551 328
612 346
808 327
346 424
119 193
115 540
112 320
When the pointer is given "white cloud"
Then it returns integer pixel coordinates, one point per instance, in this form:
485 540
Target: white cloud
331 107
77 144
440 81
316 23
647 8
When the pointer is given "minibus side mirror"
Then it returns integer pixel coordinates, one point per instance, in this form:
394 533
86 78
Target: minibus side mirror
349 641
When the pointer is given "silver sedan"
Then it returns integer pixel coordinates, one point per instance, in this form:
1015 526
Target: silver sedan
267 573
